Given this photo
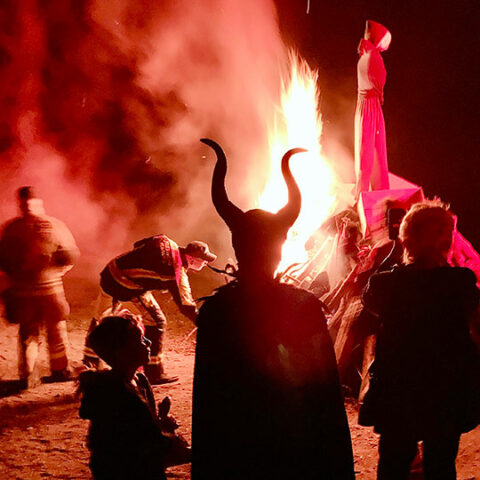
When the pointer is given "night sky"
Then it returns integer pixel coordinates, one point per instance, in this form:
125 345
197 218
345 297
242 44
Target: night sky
432 95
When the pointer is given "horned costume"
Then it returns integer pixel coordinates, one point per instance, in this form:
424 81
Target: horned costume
266 396
371 164
36 251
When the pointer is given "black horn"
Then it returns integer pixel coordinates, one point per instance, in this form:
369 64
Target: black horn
288 214
230 213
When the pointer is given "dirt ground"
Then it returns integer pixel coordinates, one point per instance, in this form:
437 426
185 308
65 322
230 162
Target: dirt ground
42 436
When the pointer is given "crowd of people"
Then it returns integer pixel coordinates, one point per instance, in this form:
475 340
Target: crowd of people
267 399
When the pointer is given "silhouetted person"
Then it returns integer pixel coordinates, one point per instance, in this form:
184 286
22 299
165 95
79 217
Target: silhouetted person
124 437
394 219
425 380
36 251
266 399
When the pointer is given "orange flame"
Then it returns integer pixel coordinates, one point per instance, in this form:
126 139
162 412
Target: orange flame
298 124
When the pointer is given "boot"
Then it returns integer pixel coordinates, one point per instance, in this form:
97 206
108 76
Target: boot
58 376
156 375
32 380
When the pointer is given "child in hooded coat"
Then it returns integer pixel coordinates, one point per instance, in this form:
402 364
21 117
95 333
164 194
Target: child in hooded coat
124 437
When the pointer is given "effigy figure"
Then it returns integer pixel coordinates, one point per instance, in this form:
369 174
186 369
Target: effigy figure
266 397
371 167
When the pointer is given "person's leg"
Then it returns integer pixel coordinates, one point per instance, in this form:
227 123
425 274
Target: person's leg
439 456
396 455
155 322
54 312
380 180
365 127
29 331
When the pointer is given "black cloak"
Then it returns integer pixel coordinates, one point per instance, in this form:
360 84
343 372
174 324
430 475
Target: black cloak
266 398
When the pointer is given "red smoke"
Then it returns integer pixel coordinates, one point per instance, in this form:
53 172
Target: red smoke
103 104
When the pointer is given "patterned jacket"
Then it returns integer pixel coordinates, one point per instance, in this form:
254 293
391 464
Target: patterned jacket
155 263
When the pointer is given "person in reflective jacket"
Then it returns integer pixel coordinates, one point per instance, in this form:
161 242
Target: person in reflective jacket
36 251
155 263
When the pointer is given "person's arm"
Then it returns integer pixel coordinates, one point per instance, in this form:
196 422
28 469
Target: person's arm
471 291
475 328
375 293
7 243
376 297
4 264
141 431
468 291
190 311
377 73
67 251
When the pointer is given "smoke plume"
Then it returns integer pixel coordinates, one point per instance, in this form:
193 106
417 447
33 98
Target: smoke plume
104 104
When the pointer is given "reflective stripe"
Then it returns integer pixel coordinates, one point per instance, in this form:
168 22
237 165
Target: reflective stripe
148 321
88 352
120 278
144 273
38 290
184 289
58 354
155 360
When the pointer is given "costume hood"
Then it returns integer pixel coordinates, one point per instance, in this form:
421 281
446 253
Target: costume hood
378 35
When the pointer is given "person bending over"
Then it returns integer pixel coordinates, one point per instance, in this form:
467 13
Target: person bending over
155 263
